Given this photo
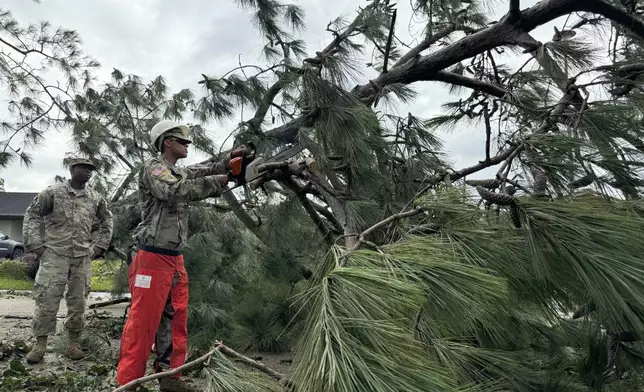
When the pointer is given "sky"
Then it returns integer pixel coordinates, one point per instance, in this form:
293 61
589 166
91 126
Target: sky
183 39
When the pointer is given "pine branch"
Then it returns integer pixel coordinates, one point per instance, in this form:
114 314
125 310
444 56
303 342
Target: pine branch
123 187
243 216
474 84
256 365
504 155
601 7
426 67
362 236
171 372
267 100
109 303
389 41
322 210
488 132
428 41
515 10
301 196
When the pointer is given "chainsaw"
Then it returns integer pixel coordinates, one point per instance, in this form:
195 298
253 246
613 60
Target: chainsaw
246 168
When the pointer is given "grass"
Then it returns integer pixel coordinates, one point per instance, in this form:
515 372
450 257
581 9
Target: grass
15 284
13 275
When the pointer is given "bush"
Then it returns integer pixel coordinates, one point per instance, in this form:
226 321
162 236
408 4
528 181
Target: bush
13 269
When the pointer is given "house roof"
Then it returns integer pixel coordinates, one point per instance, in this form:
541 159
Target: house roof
14 204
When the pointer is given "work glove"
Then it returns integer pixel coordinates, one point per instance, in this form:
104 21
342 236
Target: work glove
241 151
97 253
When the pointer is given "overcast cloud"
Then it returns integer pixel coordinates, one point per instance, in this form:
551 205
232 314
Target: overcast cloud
182 39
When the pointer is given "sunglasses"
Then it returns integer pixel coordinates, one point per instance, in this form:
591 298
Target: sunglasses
180 141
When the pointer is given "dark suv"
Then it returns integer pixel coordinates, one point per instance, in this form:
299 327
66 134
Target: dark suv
10 249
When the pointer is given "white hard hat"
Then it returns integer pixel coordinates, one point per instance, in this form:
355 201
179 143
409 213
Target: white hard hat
180 131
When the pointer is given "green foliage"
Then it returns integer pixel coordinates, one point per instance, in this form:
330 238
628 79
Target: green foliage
457 297
223 376
30 54
478 302
13 269
265 320
231 297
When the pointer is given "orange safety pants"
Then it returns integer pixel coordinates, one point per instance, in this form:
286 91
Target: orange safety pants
150 279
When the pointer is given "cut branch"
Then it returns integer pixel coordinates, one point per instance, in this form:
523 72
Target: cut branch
254 364
109 303
171 372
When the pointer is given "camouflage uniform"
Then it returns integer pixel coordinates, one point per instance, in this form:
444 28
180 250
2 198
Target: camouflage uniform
68 215
159 231
165 192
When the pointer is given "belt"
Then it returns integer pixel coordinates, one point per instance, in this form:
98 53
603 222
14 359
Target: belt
161 251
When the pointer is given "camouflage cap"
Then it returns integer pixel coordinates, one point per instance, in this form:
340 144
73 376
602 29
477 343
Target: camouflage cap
81 161
182 133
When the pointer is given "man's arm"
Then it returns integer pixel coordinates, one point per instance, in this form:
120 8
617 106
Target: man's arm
41 206
220 167
167 187
105 226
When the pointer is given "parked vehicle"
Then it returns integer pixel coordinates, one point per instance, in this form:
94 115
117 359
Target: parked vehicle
10 249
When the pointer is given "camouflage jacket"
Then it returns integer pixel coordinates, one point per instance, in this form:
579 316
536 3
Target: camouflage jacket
165 192
69 216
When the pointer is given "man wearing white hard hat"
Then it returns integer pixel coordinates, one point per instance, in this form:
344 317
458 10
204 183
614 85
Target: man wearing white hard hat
157 276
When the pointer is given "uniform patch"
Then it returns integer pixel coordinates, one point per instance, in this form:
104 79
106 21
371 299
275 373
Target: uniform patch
158 171
143 281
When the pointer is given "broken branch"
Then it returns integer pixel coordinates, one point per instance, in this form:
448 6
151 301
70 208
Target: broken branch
254 364
109 303
170 372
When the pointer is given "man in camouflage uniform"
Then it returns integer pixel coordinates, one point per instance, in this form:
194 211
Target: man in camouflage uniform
157 277
68 210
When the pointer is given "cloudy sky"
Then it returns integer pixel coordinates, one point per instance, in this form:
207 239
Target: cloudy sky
182 39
